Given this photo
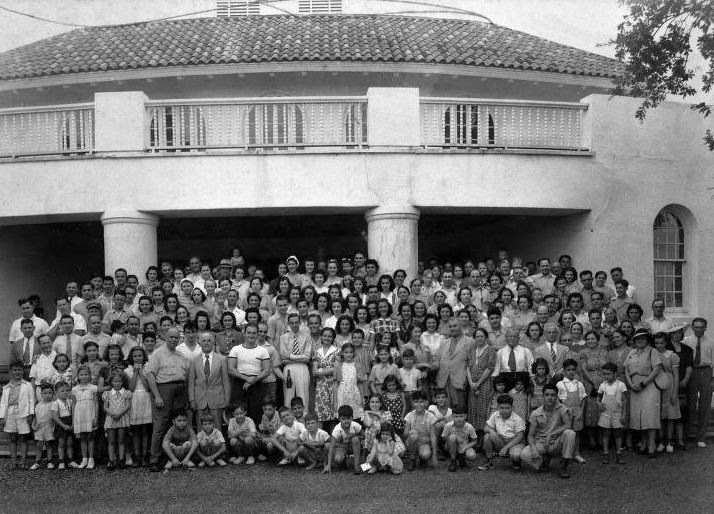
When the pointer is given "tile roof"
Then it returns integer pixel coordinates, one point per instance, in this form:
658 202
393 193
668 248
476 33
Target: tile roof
255 39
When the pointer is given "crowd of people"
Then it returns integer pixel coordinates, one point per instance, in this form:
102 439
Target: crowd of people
335 364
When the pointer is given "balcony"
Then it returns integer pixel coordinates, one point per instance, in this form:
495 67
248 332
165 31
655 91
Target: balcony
294 124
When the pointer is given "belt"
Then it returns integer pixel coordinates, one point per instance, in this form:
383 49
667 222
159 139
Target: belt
703 366
175 382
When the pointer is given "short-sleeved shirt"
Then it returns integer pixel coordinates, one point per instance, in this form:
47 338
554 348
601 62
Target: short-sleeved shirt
178 437
234 427
341 436
616 389
409 378
320 436
440 416
291 433
566 386
249 360
506 428
214 439
41 327
167 366
542 421
463 434
62 408
422 423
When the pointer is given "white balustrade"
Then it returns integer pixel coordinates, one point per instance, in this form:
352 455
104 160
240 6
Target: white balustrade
57 129
258 123
464 123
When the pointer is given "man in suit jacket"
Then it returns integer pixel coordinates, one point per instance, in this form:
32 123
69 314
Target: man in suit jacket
552 346
451 365
208 384
26 349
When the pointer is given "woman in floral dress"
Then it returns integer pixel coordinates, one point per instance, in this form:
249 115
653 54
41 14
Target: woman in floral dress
592 358
481 361
323 367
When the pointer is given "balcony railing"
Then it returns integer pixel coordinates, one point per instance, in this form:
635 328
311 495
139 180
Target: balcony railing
257 123
463 123
56 129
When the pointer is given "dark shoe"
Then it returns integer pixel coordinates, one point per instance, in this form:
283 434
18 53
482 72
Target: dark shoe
411 465
462 461
121 464
452 465
606 458
516 467
652 455
147 461
619 459
487 466
111 466
564 468
154 467
545 465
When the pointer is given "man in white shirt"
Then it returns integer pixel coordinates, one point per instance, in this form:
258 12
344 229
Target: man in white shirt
26 311
71 289
232 306
658 322
699 391
63 308
96 335
295 348
448 287
68 341
615 275
82 308
194 265
544 279
512 360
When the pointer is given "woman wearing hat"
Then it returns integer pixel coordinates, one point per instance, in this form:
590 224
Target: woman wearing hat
295 278
642 365
686 362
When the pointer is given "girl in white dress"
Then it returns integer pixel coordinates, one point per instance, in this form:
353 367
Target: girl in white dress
348 373
140 413
86 408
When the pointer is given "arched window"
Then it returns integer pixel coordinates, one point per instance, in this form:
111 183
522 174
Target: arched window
275 124
461 126
669 259
356 124
181 126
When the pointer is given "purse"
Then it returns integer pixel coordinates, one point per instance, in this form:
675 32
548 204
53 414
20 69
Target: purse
661 380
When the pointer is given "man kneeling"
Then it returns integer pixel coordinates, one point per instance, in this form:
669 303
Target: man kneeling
505 432
550 434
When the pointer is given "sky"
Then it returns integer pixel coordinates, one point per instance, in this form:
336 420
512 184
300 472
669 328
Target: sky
585 24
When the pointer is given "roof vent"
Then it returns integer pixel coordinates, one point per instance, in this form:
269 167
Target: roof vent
237 8
320 6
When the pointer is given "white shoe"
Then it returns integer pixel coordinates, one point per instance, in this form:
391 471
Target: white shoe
261 457
221 462
35 466
579 459
701 444
50 465
660 448
250 461
284 462
201 464
90 464
73 465
61 466
669 448
83 464
238 461
129 461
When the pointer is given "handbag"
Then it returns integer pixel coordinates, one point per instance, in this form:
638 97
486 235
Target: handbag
661 379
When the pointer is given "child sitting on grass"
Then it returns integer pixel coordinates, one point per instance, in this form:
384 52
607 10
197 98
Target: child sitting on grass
242 436
269 424
180 442
384 456
313 442
287 438
345 441
211 444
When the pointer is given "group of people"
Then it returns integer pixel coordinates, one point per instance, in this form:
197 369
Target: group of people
334 362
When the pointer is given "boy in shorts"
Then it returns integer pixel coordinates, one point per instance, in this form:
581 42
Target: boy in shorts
345 441
420 431
287 437
505 433
211 444
16 407
179 442
460 438
313 442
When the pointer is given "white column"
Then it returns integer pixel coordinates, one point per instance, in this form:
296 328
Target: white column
121 122
393 238
129 241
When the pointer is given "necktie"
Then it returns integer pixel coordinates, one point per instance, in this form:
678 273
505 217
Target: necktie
512 360
26 354
69 346
698 353
552 352
207 368
452 346
296 345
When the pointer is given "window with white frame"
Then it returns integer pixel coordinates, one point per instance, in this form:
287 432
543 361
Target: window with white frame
669 259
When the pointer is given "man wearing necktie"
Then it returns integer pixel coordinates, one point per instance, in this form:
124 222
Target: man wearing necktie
513 360
295 347
26 349
451 365
551 350
208 384
699 392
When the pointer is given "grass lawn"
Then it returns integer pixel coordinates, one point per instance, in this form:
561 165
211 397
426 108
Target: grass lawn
682 483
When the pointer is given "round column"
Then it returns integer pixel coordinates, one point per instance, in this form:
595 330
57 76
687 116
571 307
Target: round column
129 241
393 238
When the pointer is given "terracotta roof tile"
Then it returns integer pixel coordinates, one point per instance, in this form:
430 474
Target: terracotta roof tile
360 38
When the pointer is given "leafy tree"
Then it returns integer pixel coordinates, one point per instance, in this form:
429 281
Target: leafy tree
654 41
